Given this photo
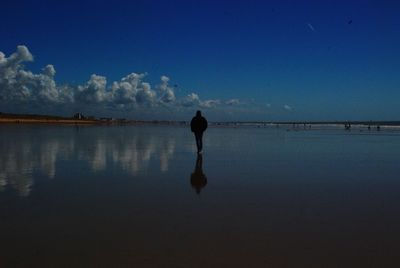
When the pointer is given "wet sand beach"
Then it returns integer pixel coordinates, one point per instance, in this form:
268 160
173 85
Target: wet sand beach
139 196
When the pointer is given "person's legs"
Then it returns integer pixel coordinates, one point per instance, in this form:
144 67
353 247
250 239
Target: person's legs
199 141
196 139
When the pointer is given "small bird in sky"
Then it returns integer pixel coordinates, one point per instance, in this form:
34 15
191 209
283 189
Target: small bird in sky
311 27
350 22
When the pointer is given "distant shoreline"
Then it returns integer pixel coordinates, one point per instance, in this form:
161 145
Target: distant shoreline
297 124
45 121
49 119
42 119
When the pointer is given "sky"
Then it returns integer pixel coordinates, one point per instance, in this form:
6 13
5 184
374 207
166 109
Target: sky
234 60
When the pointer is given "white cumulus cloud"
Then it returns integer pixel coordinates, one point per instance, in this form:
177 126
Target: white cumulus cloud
191 100
167 92
94 91
287 107
209 103
19 85
232 102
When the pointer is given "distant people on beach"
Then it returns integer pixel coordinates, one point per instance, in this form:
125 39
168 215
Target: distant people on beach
198 125
198 179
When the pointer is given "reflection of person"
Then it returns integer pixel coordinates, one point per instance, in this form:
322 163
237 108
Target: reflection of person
198 179
198 125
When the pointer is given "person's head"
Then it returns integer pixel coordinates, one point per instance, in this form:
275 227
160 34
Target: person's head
198 113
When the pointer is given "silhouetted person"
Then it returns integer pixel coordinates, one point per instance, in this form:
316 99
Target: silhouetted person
198 125
198 179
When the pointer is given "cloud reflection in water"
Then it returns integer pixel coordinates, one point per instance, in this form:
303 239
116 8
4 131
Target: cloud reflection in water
27 151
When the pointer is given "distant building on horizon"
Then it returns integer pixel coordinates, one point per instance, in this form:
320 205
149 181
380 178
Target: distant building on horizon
79 116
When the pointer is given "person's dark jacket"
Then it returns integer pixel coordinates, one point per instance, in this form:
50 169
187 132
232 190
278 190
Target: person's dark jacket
198 124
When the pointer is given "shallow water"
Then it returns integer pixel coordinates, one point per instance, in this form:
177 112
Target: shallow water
137 196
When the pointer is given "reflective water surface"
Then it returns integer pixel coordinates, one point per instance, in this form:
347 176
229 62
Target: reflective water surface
139 196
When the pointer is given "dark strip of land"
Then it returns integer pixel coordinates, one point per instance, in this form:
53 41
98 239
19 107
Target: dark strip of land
365 123
51 119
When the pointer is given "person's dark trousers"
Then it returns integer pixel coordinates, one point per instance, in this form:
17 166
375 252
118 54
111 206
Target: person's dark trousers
199 141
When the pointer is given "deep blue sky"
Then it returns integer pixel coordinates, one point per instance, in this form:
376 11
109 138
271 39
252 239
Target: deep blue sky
325 59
